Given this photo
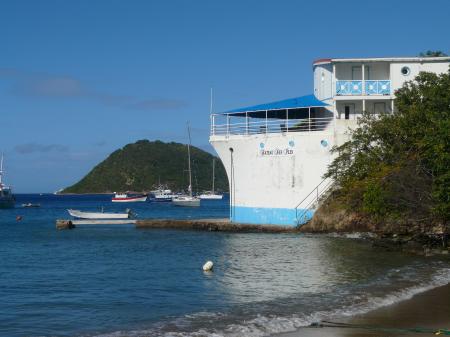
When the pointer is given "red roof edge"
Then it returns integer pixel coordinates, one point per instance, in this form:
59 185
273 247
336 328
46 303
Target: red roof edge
321 61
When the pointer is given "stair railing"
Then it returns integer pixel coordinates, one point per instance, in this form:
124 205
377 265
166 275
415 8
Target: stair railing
311 201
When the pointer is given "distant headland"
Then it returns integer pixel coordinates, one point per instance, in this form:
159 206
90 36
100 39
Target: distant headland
143 165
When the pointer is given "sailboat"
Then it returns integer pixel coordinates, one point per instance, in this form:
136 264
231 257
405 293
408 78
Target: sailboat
210 195
187 200
7 199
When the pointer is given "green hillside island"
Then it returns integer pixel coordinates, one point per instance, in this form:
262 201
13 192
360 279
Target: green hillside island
142 165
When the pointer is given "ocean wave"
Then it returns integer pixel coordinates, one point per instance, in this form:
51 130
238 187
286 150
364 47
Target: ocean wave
206 324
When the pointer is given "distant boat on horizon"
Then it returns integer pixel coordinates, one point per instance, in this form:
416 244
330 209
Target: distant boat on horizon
58 191
7 199
30 205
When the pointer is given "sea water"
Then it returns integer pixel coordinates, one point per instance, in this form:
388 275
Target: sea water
119 281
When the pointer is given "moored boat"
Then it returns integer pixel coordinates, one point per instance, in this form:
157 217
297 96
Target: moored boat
211 195
30 205
125 197
7 199
162 195
99 215
187 200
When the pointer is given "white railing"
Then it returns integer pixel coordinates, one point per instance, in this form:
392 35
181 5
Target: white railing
268 125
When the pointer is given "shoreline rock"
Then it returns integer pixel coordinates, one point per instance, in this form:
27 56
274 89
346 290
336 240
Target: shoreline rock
402 235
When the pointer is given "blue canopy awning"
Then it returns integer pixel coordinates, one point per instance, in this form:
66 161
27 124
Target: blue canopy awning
308 101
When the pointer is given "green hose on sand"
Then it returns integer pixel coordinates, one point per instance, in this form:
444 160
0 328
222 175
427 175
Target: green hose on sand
329 324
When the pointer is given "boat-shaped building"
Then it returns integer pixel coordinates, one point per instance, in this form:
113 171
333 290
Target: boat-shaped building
276 154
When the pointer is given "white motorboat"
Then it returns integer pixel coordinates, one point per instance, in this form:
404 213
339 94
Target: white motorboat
7 199
187 200
125 197
99 215
162 194
210 195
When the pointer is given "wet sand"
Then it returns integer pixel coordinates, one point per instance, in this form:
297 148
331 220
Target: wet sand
430 310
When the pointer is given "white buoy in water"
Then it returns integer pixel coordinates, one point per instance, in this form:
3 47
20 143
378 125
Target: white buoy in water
208 266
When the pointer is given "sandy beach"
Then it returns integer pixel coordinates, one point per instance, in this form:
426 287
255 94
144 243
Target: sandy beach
429 310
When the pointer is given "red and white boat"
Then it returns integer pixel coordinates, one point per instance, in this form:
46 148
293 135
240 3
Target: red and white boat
124 197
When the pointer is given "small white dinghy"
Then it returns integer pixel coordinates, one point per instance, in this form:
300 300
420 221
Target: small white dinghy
99 215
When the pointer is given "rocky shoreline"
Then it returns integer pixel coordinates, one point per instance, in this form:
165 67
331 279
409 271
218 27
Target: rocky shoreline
401 235
419 244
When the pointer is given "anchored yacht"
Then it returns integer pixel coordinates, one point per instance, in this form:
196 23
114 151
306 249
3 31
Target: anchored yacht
7 199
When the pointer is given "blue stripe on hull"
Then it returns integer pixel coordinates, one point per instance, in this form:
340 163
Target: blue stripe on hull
270 216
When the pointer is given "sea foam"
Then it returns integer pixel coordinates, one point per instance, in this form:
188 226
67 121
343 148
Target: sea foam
267 325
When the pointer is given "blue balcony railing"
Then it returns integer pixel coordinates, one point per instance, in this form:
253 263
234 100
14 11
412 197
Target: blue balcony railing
378 87
346 88
349 87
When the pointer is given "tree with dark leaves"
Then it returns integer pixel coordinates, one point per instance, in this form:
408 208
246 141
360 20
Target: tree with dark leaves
397 165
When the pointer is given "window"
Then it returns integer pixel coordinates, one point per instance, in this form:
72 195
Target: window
405 71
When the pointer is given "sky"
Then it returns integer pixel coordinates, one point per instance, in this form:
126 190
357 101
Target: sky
80 79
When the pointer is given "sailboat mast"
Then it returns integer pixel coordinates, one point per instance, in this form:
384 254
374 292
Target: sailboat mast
214 164
189 161
211 102
1 171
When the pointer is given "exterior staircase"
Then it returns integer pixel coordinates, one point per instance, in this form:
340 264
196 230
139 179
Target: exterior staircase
305 208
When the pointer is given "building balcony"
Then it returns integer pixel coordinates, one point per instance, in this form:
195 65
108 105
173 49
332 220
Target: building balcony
358 88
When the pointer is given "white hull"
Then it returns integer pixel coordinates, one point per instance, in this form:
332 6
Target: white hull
186 201
162 199
138 199
7 202
97 215
7 199
211 196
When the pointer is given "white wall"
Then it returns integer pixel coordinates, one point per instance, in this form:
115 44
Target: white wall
397 78
275 181
323 81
